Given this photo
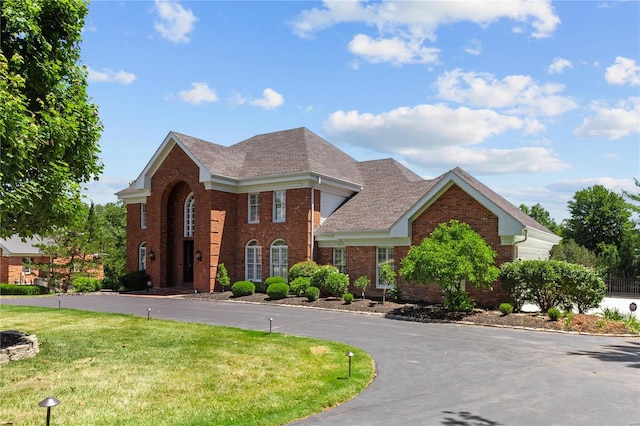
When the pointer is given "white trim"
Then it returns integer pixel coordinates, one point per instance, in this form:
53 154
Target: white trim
142 256
189 215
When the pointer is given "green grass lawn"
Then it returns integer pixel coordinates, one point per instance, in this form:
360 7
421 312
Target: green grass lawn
112 369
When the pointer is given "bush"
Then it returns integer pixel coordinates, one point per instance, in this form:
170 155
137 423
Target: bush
261 287
348 298
243 288
302 269
299 285
278 290
538 281
554 314
583 287
505 308
273 280
336 284
135 281
222 276
458 301
361 283
396 292
22 290
86 285
320 275
312 293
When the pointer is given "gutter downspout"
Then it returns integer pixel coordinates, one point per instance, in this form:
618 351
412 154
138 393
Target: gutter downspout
515 249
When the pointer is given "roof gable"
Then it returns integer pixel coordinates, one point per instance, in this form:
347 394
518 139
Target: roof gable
16 246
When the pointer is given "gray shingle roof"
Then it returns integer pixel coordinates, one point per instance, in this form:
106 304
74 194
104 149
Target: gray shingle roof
14 245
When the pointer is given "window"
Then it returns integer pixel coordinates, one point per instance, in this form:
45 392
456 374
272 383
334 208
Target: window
279 259
254 208
339 259
279 206
253 262
384 256
27 265
142 257
143 215
189 215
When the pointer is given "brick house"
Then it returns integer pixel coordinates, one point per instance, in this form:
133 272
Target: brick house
20 260
276 199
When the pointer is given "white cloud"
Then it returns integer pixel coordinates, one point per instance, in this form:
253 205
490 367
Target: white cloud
611 122
558 65
519 94
474 47
110 76
394 50
270 99
200 92
612 184
175 23
624 71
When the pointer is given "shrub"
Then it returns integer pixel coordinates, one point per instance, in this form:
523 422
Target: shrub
22 290
302 269
583 287
278 290
299 285
320 275
505 308
336 284
538 281
312 293
273 280
396 292
261 287
243 288
135 281
361 283
86 285
348 298
554 314
222 276
458 301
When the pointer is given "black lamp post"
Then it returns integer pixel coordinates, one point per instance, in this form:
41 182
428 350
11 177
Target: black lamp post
48 403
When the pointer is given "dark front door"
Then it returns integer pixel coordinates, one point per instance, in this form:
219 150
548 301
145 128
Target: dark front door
188 262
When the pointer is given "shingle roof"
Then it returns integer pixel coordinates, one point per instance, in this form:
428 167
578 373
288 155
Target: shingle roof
14 245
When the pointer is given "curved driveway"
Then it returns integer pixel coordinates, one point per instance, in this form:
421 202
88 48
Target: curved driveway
436 374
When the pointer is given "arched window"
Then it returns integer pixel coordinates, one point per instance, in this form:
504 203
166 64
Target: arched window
253 262
279 259
142 257
189 215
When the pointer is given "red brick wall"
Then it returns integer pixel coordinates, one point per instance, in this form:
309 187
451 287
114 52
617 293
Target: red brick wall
11 269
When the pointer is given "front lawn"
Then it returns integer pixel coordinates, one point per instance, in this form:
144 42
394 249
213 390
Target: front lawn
124 370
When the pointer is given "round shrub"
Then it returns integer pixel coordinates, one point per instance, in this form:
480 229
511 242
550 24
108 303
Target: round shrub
320 275
302 269
299 285
135 281
261 287
336 284
348 298
278 290
312 293
273 280
554 314
86 285
243 288
505 308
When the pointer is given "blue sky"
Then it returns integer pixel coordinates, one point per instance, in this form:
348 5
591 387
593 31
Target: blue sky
536 99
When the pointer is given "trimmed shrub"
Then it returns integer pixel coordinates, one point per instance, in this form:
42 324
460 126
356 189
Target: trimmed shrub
348 298
299 285
505 308
538 281
312 293
222 276
584 288
22 290
278 290
458 301
302 269
320 275
273 280
336 284
86 285
243 288
261 287
135 281
554 314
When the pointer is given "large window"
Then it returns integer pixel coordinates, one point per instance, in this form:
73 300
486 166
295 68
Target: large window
339 259
279 206
279 259
384 256
143 215
142 257
189 215
253 262
254 208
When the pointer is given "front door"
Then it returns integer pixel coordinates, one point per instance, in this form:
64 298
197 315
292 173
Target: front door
188 262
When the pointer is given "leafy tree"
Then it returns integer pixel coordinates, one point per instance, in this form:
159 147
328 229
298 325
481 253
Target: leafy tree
109 234
634 197
387 279
48 127
597 216
542 216
569 251
452 255
361 283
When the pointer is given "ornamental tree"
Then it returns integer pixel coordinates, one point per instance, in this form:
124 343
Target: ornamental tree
454 254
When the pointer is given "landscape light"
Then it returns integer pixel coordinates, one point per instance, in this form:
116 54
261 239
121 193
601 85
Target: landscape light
48 403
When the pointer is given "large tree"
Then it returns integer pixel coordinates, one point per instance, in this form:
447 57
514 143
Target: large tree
541 215
49 129
452 256
598 216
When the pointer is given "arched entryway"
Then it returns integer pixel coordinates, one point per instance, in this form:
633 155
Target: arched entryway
180 234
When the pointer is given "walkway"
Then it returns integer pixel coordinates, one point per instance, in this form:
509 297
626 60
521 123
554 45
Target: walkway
436 374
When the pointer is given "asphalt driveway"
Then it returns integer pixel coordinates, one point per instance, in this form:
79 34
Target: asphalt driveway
435 374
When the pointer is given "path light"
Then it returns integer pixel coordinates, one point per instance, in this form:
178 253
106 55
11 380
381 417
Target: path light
49 402
59 302
270 324
350 355
149 313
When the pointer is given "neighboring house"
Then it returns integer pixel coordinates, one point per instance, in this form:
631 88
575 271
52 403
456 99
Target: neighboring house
276 199
20 260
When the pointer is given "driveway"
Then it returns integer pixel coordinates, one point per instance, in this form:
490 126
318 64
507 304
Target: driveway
435 374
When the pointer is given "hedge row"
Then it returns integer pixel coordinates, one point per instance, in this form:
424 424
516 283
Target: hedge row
22 290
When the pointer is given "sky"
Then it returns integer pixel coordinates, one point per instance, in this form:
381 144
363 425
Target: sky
536 99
